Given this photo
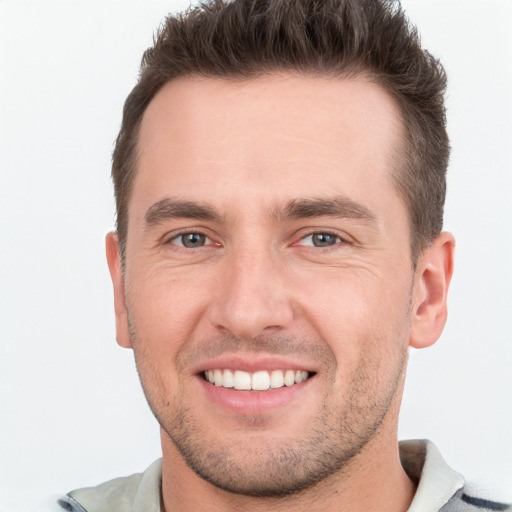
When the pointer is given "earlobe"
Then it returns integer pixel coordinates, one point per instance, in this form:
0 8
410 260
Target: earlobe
432 280
116 273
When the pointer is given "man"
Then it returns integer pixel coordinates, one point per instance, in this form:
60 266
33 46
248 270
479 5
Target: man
280 181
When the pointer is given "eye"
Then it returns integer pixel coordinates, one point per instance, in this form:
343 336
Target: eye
321 240
190 240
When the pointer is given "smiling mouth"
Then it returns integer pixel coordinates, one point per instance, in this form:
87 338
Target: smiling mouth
258 381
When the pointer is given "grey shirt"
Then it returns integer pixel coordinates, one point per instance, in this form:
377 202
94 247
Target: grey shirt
440 489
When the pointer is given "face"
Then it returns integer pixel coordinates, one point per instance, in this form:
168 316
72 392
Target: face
268 281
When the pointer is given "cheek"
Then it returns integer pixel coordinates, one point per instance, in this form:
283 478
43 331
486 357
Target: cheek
355 311
163 319
164 312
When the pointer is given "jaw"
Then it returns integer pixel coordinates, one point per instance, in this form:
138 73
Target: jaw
275 477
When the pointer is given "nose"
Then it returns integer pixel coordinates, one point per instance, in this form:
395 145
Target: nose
252 296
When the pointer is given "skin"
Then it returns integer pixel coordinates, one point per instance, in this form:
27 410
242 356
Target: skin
238 157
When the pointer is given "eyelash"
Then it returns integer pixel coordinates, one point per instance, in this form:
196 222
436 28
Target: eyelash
172 239
339 239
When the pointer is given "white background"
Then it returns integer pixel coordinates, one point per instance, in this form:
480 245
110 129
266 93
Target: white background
72 413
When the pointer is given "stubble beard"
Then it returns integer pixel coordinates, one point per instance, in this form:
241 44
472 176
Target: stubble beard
272 467
266 466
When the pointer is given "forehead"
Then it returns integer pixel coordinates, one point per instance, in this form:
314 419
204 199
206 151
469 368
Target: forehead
279 134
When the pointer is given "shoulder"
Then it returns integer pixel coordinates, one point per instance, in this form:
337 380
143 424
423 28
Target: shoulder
134 492
439 487
69 504
465 500
115 495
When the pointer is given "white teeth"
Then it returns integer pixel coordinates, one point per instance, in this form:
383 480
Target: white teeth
228 380
289 378
258 381
300 376
276 379
242 380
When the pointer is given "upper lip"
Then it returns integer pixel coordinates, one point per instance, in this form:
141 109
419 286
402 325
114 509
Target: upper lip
252 363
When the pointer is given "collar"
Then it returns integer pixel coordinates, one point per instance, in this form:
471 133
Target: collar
438 482
420 459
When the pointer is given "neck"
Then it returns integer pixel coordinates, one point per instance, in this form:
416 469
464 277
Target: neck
374 480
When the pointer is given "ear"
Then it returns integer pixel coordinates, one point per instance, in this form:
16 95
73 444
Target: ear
432 280
116 273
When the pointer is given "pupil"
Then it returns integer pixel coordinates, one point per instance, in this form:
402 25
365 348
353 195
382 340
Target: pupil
192 240
323 240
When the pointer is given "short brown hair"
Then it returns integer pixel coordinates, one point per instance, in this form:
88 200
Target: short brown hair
246 38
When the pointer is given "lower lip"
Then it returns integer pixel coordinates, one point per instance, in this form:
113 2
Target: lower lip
253 402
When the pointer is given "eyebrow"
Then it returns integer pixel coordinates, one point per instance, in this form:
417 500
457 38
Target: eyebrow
337 206
170 208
